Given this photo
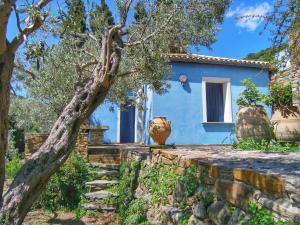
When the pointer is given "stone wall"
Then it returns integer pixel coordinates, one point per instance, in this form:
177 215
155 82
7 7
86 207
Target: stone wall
224 191
33 142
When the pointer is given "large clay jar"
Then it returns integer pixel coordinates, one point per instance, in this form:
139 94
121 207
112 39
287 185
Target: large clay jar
286 122
159 129
253 123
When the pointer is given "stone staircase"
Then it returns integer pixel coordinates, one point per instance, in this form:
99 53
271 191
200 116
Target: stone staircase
106 160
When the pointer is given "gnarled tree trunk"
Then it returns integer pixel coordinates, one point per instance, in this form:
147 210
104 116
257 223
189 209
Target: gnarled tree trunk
33 176
6 68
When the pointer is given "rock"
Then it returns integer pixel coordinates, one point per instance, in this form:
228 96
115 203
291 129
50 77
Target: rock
235 217
180 193
219 213
199 210
172 214
195 221
154 216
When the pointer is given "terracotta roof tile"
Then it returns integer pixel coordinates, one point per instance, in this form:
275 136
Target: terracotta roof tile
218 60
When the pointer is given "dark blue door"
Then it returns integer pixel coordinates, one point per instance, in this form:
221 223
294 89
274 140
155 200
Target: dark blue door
127 124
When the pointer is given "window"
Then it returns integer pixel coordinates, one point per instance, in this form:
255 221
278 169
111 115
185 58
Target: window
216 99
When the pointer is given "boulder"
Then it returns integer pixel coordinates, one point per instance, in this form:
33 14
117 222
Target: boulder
195 221
199 210
219 213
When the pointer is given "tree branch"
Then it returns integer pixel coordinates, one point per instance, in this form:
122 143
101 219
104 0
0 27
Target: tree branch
37 22
32 74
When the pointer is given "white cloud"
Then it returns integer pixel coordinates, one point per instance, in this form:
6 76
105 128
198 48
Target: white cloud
248 17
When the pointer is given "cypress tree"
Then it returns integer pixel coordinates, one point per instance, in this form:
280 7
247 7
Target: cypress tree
101 17
75 20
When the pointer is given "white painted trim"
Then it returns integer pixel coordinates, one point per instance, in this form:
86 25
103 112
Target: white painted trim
135 124
118 125
226 95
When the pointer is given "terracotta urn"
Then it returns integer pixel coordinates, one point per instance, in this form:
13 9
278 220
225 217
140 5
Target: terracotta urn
159 129
286 123
253 123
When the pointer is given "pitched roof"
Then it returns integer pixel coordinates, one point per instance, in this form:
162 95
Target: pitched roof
217 60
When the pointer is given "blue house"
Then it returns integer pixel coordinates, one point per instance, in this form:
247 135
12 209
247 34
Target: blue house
201 102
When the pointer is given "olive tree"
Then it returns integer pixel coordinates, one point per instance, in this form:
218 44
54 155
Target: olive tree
126 53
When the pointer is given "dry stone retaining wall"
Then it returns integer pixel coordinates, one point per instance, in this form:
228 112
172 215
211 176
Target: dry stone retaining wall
33 141
231 186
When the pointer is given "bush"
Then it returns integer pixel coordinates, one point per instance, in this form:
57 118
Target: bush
280 96
13 165
136 213
250 96
261 216
252 144
66 188
190 180
160 182
129 172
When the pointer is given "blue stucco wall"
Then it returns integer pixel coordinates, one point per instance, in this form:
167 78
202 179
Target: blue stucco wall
183 105
106 115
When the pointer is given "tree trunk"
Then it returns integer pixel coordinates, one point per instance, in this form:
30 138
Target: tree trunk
33 176
6 68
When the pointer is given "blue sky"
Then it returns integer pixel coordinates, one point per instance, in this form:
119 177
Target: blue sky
237 37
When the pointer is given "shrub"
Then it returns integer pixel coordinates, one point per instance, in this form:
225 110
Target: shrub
261 216
66 187
252 144
160 182
125 189
250 96
136 213
280 96
13 165
190 180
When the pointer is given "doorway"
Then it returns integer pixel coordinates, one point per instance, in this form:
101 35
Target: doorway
127 124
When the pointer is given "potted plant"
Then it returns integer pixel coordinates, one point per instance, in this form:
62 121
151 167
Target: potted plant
286 117
252 120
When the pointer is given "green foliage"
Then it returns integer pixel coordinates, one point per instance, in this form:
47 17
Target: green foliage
268 54
66 188
160 182
280 95
13 165
261 216
125 190
75 19
136 213
252 144
250 96
100 17
190 180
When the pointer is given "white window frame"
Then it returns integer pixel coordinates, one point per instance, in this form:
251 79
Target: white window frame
226 95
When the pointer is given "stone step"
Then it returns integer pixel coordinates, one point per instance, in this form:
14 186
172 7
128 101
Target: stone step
106 173
103 150
100 184
105 159
98 195
106 166
99 208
